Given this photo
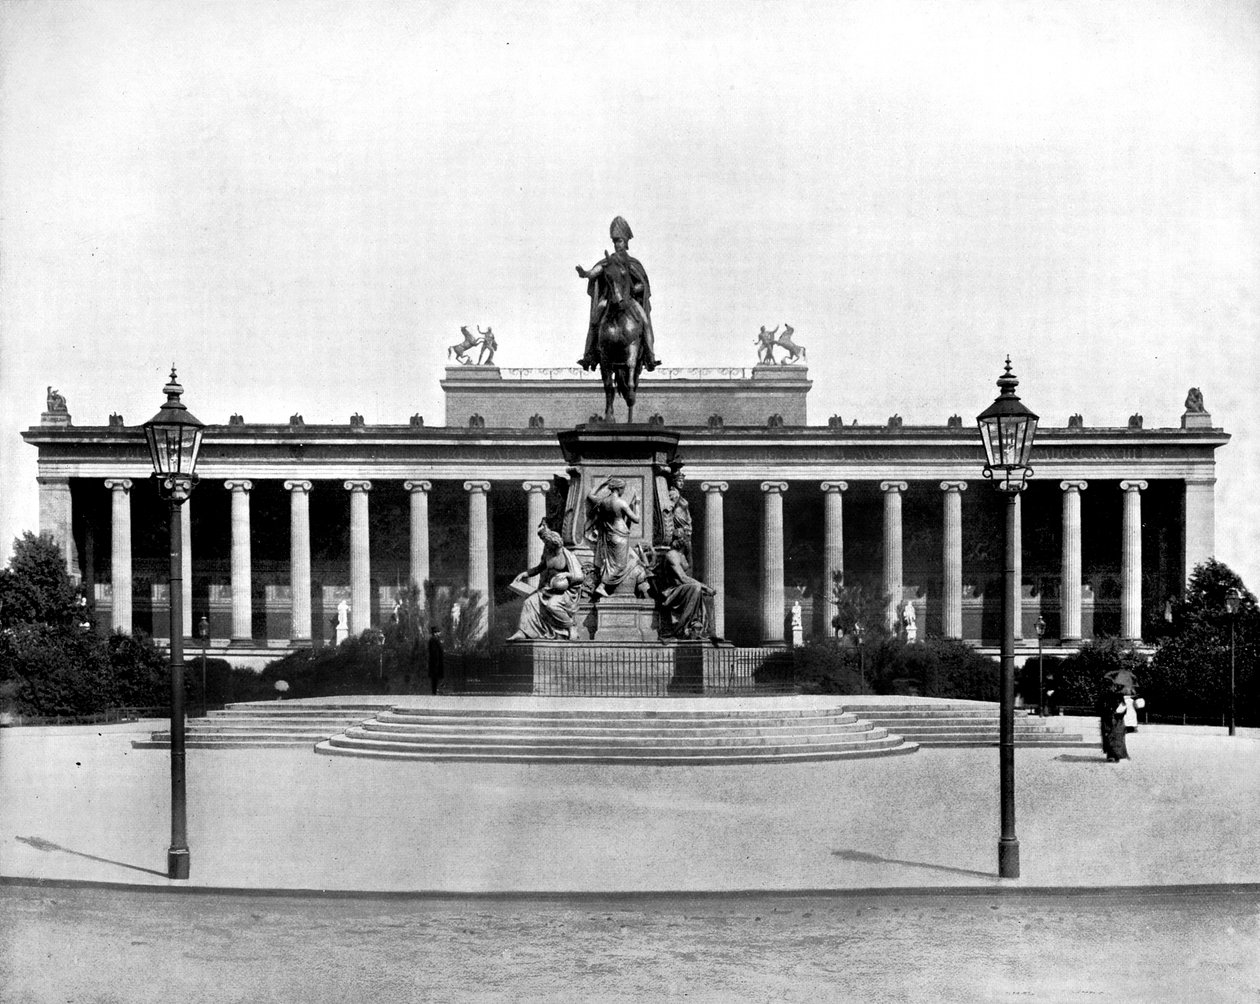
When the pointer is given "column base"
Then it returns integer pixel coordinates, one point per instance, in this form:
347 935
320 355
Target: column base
1008 858
177 862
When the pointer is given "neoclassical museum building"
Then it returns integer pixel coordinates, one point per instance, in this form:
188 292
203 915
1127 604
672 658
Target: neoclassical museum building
290 520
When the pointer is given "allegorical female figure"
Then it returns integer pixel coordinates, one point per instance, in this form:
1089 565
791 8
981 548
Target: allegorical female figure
608 520
551 609
682 596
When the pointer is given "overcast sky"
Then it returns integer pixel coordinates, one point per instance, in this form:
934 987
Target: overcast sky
300 204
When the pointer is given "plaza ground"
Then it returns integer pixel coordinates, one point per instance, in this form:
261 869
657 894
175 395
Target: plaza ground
500 879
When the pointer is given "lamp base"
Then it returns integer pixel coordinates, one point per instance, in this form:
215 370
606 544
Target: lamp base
1008 858
177 861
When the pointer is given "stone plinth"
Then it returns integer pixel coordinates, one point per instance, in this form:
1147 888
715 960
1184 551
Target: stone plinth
627 669
625 618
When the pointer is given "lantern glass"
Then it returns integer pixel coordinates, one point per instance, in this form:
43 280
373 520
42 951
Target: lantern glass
173 435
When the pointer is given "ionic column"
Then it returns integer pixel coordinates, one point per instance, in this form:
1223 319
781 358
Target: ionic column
715 551
833 541
299 559
772 563
360 558
892 546
120 553
535 513
56 519
479 545
1017 580
1131 562
951 560
419 491
242 575
1070 573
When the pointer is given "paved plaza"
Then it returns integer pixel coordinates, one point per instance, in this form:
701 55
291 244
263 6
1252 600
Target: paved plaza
872 878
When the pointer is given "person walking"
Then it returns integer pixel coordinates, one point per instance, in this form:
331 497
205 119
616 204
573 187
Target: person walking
1115 686
437 659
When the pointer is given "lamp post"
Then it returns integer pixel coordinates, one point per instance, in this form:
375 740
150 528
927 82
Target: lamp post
1232 600
1041 675
1007 429
174 438
203 632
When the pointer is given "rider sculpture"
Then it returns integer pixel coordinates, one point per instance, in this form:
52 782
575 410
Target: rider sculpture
619 337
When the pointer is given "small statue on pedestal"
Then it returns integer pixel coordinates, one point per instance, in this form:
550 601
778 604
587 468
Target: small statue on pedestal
909 622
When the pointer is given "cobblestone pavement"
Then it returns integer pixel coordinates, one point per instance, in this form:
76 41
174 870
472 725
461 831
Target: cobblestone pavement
86 944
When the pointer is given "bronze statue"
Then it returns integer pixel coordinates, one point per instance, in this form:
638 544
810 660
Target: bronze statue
619 338
618 569
550 611
488 345
1194 401
765 345
677 511
682 597
55 402
795 352
461 349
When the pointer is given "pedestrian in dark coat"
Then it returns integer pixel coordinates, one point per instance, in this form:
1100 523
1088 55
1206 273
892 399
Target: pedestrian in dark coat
1115 687
437 660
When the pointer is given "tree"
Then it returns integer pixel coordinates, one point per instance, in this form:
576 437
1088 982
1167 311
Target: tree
859 612
36 589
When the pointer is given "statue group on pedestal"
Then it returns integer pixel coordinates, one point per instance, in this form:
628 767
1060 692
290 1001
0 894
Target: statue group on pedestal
767 342
489 345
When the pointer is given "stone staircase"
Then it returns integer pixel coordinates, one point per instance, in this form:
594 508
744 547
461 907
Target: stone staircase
266 724
662 732
972 723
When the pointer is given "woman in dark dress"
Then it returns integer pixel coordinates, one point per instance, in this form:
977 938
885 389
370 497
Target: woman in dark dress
1115 687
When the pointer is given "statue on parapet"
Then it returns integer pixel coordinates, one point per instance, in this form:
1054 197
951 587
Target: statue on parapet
56 404
765 343
550 610
1194 401
768 341
461 349
795 352
684 613
618 568
489 345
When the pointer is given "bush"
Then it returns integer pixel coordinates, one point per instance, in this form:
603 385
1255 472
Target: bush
1079 677
829 666
935 667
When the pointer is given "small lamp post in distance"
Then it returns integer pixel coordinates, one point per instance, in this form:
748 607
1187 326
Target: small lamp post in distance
1041 676
203 632
174 439
1233 600
1007 429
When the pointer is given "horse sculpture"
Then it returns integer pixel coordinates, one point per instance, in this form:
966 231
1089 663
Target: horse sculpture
620 340
461 349
784 341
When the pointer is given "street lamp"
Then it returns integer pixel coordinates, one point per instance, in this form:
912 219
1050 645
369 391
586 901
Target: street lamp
1232 600
174 438
203 632
1041 675
1007 429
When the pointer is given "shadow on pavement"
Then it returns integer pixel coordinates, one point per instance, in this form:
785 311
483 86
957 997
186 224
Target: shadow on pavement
877 860
1074 758
40 844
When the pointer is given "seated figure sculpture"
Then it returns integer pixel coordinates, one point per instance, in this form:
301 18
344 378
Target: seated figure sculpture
550 611
682 597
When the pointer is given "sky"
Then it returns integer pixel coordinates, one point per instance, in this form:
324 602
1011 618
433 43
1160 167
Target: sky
299 204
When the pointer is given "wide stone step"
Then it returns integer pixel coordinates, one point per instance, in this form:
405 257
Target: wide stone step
225 743
661 754
599 722
716 713
597 731
561 738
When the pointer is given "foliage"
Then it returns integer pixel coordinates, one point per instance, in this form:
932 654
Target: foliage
935 667
35 588
860 612
1078 677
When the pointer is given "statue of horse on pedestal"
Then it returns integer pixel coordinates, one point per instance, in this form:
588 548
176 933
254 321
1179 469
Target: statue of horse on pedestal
620 340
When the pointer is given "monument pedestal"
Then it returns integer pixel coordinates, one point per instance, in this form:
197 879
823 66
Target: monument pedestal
607 669
626 618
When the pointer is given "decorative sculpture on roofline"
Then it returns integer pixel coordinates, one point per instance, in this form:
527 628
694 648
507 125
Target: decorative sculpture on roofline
56 404
767 342
1194 401
485 357
619 337
489 345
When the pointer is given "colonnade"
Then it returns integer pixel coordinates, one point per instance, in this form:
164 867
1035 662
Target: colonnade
771 570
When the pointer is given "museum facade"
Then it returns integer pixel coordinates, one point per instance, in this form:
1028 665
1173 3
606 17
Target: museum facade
290 521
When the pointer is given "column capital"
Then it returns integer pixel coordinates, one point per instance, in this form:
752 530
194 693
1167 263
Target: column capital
709 487
477 486
893 486
298 486
1133 486
834 486
418 486
358 485
1074 485
953 486
238 486
774 487
533 486
118 484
